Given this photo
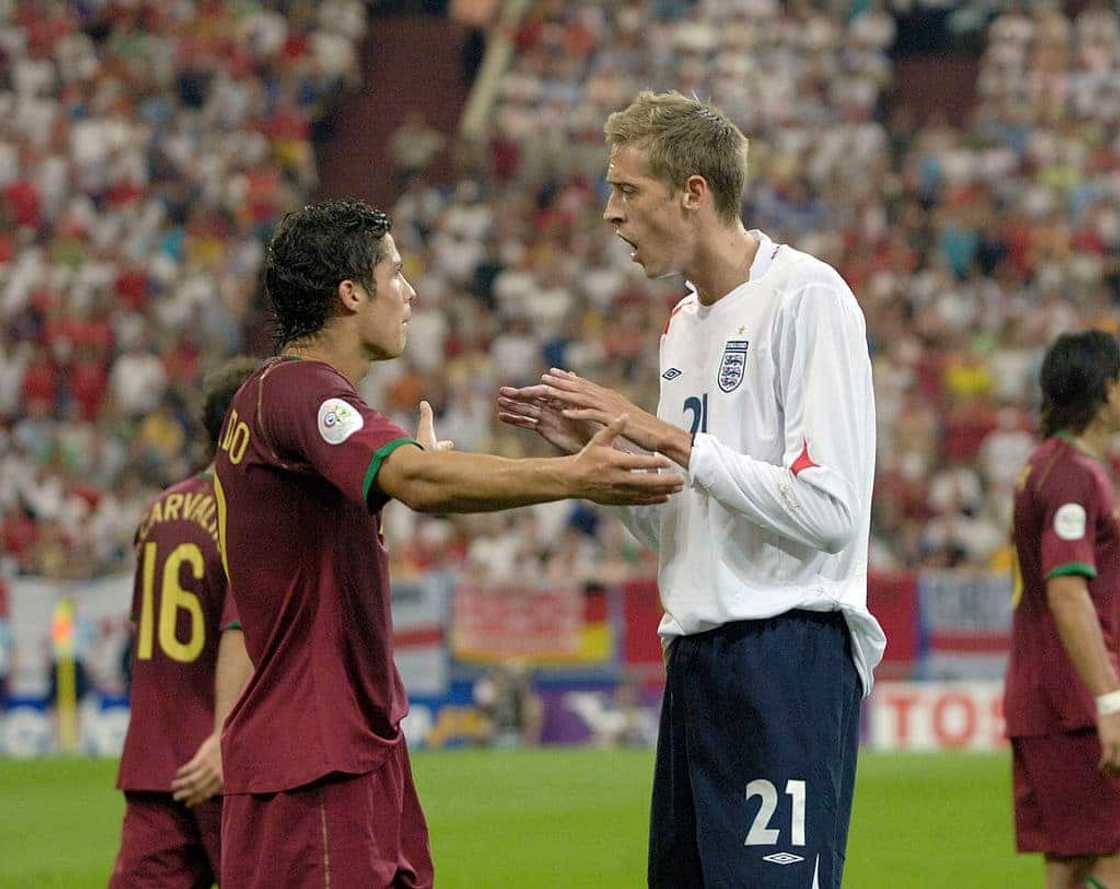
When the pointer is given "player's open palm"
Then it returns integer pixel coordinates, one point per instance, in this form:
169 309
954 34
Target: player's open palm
530 408
201 777
607 475
1108 730
583 400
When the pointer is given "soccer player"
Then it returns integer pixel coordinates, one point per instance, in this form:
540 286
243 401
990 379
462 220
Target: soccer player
318 785
766 405
1062 701
188 666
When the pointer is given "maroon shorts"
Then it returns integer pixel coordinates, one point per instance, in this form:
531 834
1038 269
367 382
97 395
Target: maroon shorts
340 832
165 845
1064 805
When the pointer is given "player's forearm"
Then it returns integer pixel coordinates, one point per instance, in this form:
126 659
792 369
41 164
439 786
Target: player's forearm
772 497
1080 632
232 672
457 482
674 443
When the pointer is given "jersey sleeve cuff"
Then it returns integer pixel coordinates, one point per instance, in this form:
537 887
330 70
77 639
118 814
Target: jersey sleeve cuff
232 625
1080 569
379 457
699 461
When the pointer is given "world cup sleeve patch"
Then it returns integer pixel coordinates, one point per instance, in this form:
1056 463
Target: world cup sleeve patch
338 420
1069 521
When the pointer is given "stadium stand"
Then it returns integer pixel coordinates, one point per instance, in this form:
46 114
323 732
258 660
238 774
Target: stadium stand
517 273
146 151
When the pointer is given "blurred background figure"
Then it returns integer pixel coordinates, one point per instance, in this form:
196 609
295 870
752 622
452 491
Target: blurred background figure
510 707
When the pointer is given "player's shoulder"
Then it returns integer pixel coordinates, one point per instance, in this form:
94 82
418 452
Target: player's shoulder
287 384
302 374
1063 471
192 489
199 483
690 299
795 275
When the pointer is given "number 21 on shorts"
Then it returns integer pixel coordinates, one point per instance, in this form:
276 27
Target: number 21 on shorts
761 833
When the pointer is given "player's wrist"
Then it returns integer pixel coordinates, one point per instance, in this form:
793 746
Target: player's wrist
676 444
568 478
1108 704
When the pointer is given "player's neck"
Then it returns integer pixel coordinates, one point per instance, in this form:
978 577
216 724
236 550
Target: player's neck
348 359
723 262
1093 440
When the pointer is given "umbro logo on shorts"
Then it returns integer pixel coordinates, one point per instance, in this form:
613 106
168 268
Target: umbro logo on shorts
782 858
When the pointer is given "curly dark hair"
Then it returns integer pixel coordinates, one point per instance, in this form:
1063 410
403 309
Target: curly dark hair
311 252
218 387
1075 375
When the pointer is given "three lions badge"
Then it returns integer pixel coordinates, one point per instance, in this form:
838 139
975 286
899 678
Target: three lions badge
733 365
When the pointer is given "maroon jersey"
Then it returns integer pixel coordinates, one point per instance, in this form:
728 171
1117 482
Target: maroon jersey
1065 524
300 513
179 607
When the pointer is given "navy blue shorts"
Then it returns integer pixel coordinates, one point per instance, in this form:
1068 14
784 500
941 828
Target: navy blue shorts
756 756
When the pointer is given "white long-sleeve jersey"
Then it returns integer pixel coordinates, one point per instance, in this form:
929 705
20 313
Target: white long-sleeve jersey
774 379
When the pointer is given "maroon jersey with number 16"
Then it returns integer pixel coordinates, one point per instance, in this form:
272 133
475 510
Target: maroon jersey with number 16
299 515
179 608
1065 524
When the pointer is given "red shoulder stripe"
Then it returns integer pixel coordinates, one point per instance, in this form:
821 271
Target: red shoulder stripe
669 320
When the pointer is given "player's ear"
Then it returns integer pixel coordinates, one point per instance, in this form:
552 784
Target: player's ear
695 192
349 294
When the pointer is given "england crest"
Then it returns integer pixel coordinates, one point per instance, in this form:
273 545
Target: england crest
733 365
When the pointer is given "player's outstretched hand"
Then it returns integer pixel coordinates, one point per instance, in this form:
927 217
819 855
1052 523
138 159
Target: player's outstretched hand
583 400
201 777
426 431
1108 730
607 475
530 407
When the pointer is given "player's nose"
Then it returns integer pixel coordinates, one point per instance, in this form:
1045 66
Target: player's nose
611 212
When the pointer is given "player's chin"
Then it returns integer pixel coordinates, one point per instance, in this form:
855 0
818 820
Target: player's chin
652 268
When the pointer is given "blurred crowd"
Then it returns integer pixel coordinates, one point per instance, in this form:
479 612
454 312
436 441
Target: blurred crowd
147 149
970 244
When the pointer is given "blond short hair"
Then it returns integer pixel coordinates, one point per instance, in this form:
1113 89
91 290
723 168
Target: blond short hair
685 137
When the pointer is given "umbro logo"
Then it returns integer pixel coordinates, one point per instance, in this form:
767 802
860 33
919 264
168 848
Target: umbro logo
782 858
671 374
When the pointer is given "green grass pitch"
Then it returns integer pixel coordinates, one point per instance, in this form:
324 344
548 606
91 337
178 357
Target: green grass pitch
568 819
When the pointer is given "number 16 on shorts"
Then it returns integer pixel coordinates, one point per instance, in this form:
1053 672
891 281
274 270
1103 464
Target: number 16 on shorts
765 829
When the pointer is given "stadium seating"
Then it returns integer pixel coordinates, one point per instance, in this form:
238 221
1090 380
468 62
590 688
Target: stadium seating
146 153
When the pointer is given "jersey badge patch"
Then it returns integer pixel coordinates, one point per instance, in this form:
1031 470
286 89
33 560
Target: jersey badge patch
733 365
338 420
1069 521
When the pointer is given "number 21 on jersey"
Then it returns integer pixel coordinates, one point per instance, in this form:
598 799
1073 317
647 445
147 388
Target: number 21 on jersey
697 406
172 599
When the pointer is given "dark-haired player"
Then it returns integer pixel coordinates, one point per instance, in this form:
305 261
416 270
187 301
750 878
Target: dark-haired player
188 665
1063 689
318 786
